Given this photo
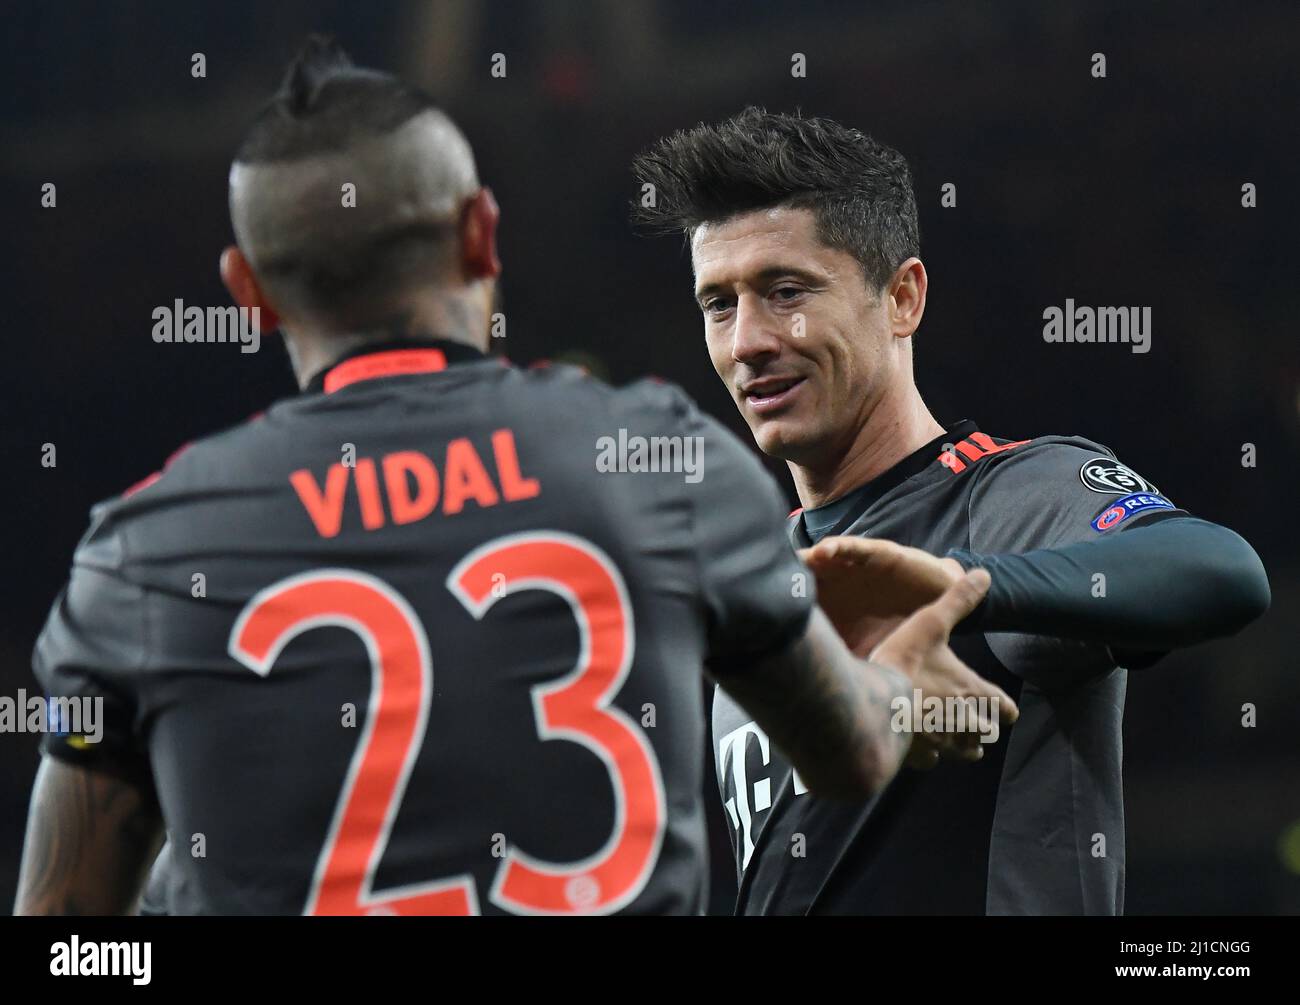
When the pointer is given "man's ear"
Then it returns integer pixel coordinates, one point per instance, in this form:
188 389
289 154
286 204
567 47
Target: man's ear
478 236
238 276
907 293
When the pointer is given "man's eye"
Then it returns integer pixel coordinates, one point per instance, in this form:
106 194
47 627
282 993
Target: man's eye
786 292
715 306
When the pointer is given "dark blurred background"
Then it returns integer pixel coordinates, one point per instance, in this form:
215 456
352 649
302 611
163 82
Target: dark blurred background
1118 191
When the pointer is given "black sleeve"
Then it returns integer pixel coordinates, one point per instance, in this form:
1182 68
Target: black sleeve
758 595
91 649
1163 584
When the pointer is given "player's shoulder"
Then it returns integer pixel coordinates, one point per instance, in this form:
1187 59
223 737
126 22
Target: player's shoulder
1057 460
654 406
583 394
1048 453
205 463
646 394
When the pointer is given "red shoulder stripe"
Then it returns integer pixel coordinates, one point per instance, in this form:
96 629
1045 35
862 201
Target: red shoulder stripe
974 448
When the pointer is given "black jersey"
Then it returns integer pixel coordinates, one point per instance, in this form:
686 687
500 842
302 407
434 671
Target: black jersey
1036 826
428 639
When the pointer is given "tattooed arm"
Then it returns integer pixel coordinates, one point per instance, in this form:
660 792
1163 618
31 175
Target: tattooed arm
90 839
830 711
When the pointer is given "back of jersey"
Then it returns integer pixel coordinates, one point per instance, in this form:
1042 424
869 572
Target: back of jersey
429 641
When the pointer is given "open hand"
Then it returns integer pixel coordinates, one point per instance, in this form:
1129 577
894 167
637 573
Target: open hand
868 585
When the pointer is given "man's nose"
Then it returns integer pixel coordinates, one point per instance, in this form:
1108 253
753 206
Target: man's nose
755 334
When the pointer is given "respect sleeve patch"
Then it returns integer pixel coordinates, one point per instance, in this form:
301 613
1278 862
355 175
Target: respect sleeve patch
1121 509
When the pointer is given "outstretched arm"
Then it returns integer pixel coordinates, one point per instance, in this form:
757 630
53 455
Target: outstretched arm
1154 587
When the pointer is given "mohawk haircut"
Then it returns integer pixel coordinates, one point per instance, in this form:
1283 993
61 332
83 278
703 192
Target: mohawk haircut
325 104
328 108
859 190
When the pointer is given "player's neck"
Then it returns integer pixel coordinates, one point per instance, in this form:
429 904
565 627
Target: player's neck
893 429
448 320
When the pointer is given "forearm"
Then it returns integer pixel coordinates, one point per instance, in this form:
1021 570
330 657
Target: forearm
827 710
1172 583
90 839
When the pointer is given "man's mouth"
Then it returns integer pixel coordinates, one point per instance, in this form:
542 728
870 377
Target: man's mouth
771 394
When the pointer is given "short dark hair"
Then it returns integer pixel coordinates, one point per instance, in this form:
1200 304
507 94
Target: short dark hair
860 190
326 103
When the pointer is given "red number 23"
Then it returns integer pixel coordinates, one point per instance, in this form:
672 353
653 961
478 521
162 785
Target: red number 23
574 708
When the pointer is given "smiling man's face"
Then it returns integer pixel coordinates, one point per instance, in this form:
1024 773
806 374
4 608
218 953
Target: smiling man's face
793 331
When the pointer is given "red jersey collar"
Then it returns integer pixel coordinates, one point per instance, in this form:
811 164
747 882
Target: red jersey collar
392 358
